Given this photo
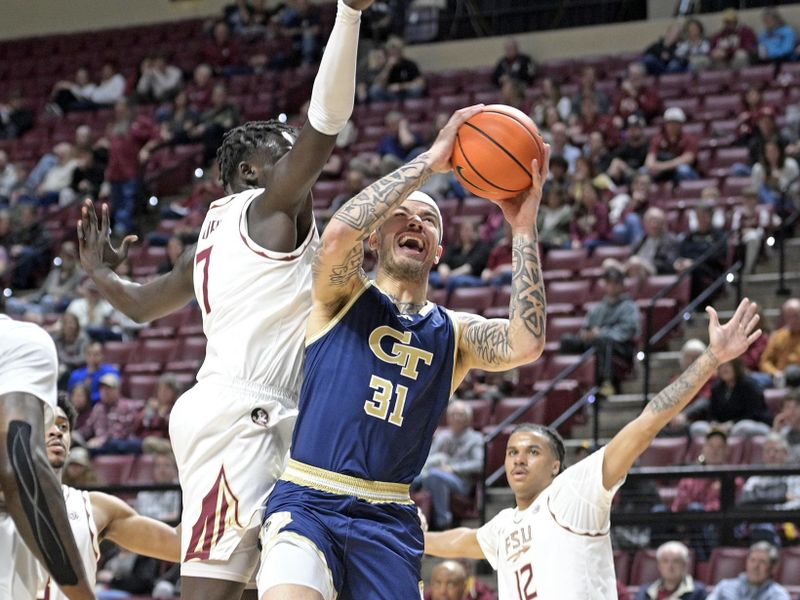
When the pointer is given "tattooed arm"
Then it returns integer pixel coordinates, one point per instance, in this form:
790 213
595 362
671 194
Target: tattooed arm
337 265
501 344
726 342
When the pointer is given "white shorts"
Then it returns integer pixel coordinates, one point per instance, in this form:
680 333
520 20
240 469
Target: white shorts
293 560
19 569
231 440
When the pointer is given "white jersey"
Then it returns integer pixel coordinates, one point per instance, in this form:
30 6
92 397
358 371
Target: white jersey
254 301
84 529
559 548
28 362
19 569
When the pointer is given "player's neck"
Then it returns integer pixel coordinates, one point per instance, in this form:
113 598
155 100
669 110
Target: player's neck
409 297
525 500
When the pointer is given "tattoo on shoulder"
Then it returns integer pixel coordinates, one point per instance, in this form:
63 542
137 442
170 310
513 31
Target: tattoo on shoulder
488 340
340 274
674 394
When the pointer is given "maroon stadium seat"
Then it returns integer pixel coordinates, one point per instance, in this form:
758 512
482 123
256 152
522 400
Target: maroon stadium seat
622 565
664 452
114 469
584 374
570 259
142 471
477 299
568 292
496 452
140 387
726 563
481 412
789 567
535 414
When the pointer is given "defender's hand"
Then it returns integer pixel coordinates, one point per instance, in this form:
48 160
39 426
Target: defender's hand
729 341
94 243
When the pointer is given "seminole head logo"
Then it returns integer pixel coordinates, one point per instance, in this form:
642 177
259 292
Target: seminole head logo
397 351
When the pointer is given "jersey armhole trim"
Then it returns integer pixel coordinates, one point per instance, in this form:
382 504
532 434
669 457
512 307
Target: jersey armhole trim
456 339
365 285
271 254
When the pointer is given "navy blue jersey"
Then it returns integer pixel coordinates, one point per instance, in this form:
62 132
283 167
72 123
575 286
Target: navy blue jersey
376 384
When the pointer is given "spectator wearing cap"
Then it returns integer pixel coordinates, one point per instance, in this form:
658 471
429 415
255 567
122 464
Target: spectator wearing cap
783 348
95 369
635 96
787 422
757 581
400 77
698 243
78 470
611 327
674 581
778 40
733 46
774 175
630 155
513 65
751 220
109 428
672 152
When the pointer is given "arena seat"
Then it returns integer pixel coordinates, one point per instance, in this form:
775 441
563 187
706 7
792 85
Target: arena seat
664 452
118 353
496 452
584 374
114 469
569 259
568 292
142 470
506 406
140 386
789 567
737 447
725 563
753 449
774 399
528 375
622 565
481 412
563 395
478 299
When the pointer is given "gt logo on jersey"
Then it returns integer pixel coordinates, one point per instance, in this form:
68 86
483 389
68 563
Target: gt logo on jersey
400 353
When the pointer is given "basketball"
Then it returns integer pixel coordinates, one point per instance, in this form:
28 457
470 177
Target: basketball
494 150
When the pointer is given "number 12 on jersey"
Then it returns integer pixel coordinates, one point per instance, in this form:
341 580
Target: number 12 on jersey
525 582
378 406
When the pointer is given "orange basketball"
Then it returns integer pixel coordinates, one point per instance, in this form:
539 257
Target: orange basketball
494 150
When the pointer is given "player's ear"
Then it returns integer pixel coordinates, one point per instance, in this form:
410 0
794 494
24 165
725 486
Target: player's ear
248 173
556 468
438 256
372 241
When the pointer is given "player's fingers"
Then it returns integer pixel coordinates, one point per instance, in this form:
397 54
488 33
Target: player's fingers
464 114
712 316
105 222
90 212
753 336
79 224
126 242
752 322
740 311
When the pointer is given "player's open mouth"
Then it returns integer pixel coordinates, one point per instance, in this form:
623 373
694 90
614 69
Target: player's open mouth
411 244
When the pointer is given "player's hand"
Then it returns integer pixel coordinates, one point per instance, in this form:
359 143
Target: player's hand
442 148
523 210
94 243
728 341
359 4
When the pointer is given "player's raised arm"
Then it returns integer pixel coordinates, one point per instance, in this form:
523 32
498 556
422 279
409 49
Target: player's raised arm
455 543
501 344
140 301
726 342
331 105
118 522
337 265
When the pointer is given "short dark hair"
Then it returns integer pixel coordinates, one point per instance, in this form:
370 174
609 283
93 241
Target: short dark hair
65 404
241 142
553 437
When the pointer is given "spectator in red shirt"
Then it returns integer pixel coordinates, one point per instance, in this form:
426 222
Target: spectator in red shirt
590 225
129 138
223 51
733 46
109 428
153 419
498 267
590 120
201 88
672 152
635 96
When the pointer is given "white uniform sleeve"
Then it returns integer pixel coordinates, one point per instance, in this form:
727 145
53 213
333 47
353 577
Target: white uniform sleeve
28 361
578 500
489 538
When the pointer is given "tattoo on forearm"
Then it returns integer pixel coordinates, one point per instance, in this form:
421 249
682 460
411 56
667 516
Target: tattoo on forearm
367 210
341 274
680 391
528 302
489 340
34 502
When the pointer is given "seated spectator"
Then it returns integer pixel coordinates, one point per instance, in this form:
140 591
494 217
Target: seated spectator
78 470
455 460
708 195
512 93
776 43
561 146
559 174
690 351
69 95
635 96
661 56
94 370
626 211
212 124
590 119
89 172
783 348
751 359
629 156
551 96
787 423
397 142
109 429
590 226
80 397
775 175
153 419
111 88
94 312
750 222
463 261
200 88
772 492
694 49
757 580
733 46
71 344
58 176
655 253
513 65
766 129
299 22
159 81
28 247
696 244
9 177
672 152
674 581
499 266
222 52
554 218
736 403
175 247
177 119
611 327
247 19
162 505
597 151
16 117
450 581
587 87
59 288
400 78
368 73
746 121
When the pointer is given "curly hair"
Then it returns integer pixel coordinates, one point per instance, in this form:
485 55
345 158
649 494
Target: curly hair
241 142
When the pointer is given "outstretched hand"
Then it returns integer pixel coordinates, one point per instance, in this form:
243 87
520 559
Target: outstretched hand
729 341
442 148
523 210
94 242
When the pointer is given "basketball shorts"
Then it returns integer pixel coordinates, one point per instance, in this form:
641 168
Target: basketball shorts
347 538
231 439
19 569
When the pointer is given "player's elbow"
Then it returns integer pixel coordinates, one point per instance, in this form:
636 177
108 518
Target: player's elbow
338 236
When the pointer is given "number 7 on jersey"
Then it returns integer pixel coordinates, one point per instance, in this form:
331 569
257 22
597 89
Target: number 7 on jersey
204 256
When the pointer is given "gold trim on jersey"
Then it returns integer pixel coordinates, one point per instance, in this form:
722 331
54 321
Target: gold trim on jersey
377 492
310 339
456 339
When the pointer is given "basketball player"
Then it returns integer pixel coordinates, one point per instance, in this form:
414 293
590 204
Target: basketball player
251 275
555 544
95 516
381 364
33 519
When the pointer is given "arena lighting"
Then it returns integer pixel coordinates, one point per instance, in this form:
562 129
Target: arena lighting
640 356
198 172
7 293
283 118
591 399
687 316
730 277
770 241
153 201
57 261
